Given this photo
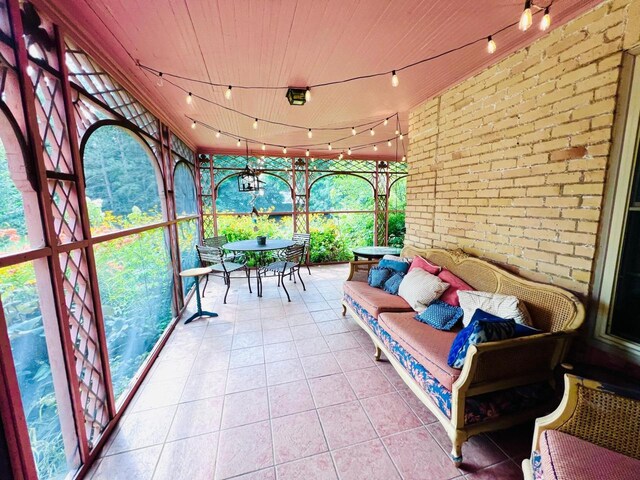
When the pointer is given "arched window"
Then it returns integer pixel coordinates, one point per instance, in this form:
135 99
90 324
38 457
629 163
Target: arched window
397 205
274 196
184 190
122 179
340 193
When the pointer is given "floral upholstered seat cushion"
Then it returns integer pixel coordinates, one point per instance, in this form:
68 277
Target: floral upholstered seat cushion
375 300
426 344
565 457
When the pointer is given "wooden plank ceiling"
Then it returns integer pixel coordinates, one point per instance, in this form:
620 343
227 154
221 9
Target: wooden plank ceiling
297 42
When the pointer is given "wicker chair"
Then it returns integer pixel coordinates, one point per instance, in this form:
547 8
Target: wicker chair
214 257
601 414
492 366
304 239
292 259
217 242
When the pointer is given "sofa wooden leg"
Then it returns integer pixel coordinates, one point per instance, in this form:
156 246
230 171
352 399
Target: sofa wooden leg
378 353
456 452
344 310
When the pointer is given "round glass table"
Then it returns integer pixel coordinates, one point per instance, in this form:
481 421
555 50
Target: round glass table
374 253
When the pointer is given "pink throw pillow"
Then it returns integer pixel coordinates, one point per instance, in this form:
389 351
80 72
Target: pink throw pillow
450 295
419 262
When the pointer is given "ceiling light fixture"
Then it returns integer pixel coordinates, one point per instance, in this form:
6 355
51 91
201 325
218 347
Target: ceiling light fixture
296 96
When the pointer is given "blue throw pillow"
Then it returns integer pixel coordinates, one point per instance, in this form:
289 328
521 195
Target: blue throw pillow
440 315
478 331
377 276
394 265
393 283
521 330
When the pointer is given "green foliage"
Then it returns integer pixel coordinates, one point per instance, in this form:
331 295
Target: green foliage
341 192
275 196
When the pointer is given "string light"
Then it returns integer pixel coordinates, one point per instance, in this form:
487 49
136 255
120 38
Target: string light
160 82
404 158
394 79
263 147
284 150
353 130
307 95
189 98
329 147
227 93
310 134
349 151
526 19
307 152
372 132
341 156
194 125
388 143
255 124
401 136
397 131
386 121
375 148
238 143
491 45
218 134
545 23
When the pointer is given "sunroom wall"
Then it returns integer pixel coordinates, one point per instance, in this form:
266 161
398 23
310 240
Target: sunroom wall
510 164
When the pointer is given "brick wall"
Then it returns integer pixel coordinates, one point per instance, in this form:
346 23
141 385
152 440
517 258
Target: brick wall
510 164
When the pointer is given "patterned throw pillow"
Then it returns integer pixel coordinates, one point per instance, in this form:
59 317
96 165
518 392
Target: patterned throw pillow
377 276
393 284
419 288
394 265
421 263
478 331
456 284
440 315
521 330
504 306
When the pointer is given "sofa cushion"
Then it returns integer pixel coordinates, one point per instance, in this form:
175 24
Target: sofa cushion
378 275
395 265
478 331
565 457
450 295
504 306
419 262
440 315
375 300
419 288
393 284
427 345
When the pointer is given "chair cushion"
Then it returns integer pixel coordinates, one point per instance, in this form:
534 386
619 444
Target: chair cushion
565 457
374 300
430 347
450 295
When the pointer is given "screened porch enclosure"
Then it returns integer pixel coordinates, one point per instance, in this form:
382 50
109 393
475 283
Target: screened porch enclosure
343 204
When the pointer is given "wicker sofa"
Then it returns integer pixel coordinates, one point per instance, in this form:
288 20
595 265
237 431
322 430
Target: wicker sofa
593 434
501 383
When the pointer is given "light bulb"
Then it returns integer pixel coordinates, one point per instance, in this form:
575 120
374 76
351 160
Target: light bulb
404 158
349 151
375 148
227 93
194 125
309 133
263 147
353 130
160 82
238 143
394 79
262 158
386 122
218 134
255 124
397 131
307 152
491 45
388 143
401 136
307 95
340 157
545 23
329 146
189 98
526 18
372 132
284 150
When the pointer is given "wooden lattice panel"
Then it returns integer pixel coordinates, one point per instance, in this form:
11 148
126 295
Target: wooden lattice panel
82 327
181 149
65 210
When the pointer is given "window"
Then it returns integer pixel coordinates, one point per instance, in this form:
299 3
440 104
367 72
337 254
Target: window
184 190
122 181
188 231
275 196
619 283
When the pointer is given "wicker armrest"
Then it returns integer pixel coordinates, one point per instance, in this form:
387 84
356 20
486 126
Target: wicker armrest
509 363
598 413
359 270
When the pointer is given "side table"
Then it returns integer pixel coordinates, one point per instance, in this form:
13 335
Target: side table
197 273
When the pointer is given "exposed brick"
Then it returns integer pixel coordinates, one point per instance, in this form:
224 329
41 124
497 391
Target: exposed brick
568 153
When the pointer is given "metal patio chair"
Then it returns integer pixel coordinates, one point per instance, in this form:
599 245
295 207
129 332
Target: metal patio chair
214 258
218 241
292 259
304 239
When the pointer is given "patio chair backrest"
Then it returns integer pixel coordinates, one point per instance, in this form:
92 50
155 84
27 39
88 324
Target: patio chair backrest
217 241
302 238
210 255
295 253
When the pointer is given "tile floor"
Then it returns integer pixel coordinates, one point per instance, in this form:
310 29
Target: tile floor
287 391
